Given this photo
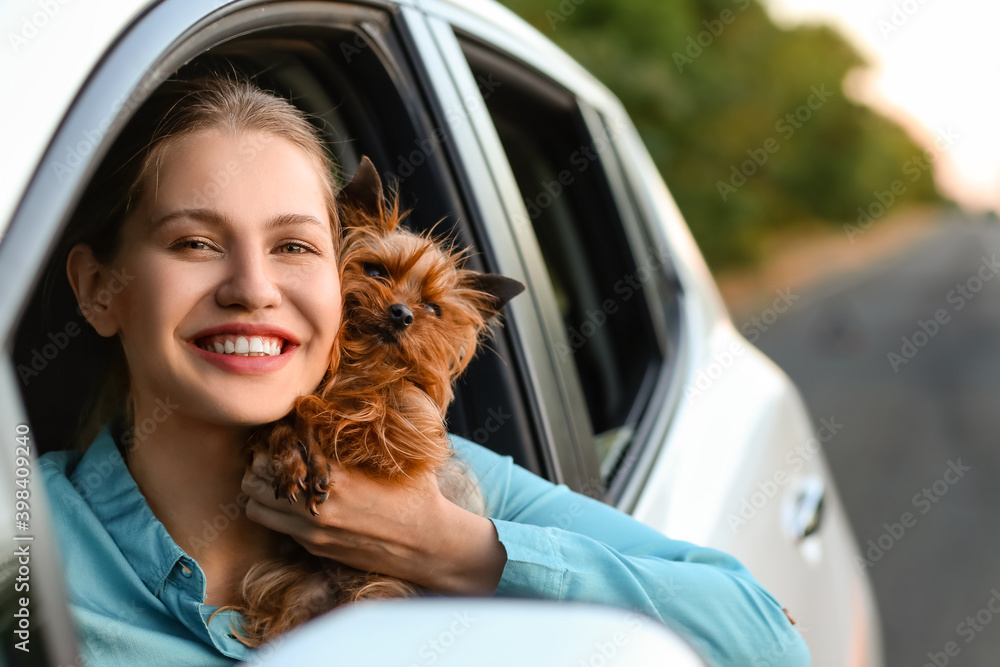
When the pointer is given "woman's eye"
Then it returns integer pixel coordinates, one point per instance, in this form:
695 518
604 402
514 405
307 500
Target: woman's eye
192 244
434 308
294 248
375 271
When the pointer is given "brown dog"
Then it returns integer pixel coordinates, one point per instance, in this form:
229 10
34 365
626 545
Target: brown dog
413 318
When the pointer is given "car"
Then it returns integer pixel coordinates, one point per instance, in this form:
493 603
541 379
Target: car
618 373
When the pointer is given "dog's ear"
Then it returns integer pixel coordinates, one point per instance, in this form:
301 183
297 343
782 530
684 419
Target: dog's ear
364 192
501 288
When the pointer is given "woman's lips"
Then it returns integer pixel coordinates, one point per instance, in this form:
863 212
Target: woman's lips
245 355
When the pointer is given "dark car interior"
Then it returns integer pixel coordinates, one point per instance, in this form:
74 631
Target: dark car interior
561 166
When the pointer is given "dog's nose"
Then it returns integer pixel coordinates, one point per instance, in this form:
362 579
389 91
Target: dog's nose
400 316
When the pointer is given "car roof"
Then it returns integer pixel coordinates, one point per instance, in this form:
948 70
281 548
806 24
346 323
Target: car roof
39 76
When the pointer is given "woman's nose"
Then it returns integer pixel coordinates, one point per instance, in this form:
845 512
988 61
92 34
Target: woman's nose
249 282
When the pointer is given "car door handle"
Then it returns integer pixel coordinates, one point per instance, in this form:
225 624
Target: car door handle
802 513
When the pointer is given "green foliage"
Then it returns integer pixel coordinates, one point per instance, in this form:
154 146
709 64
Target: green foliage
706 81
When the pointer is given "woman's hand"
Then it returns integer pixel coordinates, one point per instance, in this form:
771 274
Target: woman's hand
406 530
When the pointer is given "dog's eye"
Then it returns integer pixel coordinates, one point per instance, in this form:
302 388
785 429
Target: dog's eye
375 271
434 308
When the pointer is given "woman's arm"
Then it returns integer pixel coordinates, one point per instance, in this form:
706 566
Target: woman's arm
540 541
565 546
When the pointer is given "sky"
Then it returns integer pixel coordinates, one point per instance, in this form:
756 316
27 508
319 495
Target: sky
935 69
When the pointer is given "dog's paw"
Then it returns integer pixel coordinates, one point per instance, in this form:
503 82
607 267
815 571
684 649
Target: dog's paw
289 471
316 487
296 465
276 444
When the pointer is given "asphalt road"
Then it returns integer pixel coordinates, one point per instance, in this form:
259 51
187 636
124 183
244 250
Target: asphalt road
918 466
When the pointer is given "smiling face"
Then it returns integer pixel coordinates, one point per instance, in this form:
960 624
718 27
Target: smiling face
232 301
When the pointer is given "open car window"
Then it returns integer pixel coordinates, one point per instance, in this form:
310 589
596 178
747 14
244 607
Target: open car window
351 67
348 67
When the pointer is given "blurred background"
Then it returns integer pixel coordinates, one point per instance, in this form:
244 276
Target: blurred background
847 156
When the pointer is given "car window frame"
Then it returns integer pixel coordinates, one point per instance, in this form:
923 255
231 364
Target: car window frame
666 295
663 295
564 425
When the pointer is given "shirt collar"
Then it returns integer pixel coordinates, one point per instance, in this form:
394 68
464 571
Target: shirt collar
104 480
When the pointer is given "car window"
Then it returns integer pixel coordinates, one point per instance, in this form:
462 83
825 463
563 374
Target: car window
563 163
346 65
349 68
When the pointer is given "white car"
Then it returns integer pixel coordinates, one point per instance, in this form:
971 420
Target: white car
618 373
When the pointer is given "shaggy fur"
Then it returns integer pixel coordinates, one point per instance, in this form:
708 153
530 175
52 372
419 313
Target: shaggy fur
381 407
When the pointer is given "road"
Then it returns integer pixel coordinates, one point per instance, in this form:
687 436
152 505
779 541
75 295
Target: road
919 464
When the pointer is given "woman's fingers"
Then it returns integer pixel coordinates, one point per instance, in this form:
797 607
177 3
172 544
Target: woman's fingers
402 528
257 487
277 513
282 520
407 530
261 490
261 465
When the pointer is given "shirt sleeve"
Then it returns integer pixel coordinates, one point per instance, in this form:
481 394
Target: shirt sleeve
562 545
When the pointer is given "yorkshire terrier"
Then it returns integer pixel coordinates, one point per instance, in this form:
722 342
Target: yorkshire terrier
413 318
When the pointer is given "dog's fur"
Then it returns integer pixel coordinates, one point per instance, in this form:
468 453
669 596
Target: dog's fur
381 407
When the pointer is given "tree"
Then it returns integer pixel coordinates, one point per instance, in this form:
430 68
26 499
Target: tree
748 122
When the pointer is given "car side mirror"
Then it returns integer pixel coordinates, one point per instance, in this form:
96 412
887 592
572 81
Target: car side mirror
450 632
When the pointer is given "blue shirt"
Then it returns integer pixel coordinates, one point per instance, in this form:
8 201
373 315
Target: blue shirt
137 597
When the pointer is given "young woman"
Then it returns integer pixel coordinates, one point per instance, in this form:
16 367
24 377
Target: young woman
213 221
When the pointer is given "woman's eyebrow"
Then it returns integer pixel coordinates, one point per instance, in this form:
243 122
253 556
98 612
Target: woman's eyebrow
220 219
204 214
286 219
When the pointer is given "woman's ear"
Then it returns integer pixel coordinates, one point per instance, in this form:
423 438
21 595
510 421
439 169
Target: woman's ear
87 277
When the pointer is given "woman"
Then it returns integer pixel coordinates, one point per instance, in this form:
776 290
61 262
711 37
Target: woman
214 221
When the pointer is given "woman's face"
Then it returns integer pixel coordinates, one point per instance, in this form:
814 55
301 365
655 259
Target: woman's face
232 299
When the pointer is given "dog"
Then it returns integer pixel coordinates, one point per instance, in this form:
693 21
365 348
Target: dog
413 319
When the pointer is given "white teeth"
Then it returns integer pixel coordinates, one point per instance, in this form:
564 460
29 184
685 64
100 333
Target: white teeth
253 346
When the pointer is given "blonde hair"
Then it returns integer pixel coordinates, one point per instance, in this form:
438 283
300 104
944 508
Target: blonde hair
239 107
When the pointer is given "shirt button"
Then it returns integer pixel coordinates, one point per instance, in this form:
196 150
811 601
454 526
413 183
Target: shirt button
185 570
